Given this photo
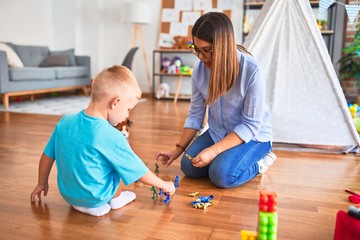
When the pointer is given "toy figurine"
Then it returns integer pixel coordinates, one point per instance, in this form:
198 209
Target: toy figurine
176 182
153 190
157 168
193 194
165 64
202 202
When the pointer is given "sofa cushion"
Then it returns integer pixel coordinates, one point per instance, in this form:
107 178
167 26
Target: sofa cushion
55 60
71 72
69 52
31 73
32 56
12 58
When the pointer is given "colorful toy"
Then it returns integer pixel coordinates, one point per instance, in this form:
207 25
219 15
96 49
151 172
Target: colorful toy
157 168
346 227
354 197
354 212
163 90
189 157
354 108
167 199
180 42
154 191
267 202
268 218
248 235
176 182
165 63
193 194
202 202
167 196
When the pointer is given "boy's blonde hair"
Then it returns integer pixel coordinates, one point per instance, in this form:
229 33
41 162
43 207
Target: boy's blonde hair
112 81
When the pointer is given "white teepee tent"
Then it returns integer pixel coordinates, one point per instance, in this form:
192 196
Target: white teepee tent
307 103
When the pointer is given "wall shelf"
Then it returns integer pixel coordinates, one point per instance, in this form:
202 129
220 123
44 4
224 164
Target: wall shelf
159 77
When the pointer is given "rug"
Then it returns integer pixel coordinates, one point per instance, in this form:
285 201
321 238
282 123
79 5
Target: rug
56 105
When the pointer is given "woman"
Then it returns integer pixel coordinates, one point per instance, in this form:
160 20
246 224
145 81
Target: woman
227 80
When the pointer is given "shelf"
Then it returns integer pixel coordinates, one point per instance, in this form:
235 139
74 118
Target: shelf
172 51
323 32
327 32
180 97
254 5
171 75
258 5
159 77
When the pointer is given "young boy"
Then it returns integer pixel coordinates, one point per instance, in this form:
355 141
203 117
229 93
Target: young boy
91 155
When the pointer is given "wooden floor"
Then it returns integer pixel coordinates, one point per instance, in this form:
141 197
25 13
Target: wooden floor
309 187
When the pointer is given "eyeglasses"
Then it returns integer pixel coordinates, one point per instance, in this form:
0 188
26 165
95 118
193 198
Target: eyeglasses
197 51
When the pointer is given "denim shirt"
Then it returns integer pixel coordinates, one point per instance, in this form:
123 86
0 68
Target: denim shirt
242 109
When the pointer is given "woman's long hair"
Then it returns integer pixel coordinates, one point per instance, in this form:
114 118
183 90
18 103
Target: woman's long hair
217 29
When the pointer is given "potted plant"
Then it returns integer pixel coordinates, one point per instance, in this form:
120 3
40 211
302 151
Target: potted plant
350 61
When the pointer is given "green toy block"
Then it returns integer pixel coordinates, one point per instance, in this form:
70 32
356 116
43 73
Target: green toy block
267 225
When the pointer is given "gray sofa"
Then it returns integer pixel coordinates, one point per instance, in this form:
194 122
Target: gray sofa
39 75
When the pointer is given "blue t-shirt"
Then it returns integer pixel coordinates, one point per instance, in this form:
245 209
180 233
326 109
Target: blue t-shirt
91 158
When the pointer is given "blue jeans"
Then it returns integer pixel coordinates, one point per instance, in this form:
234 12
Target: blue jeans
230 168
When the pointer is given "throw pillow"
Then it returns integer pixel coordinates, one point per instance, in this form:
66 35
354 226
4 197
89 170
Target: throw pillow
55 60
69 52
12 58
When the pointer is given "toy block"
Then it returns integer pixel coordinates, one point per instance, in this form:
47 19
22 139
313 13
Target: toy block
248 235
267 226
268 201
346 227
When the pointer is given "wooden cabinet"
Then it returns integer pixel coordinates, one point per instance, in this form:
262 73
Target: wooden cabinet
174 80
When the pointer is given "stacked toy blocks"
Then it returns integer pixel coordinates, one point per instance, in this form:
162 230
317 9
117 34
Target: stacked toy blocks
268 217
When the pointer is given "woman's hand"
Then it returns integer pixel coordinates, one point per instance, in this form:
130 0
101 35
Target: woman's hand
166 158
204 158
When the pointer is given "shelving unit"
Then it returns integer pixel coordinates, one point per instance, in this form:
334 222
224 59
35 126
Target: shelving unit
328 34
159 77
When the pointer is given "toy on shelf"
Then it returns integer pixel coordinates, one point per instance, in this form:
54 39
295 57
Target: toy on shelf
163 91
165 64
180 42
354 110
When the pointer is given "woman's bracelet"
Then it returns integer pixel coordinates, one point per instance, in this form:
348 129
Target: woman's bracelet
214 150
181 147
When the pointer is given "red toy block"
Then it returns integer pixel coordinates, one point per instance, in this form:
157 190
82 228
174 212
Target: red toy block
346 227
268 201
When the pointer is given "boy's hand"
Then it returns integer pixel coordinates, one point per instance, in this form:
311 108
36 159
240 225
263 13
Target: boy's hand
38 190
169 188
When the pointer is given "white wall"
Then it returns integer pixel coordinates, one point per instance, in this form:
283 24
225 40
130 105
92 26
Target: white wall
92 27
